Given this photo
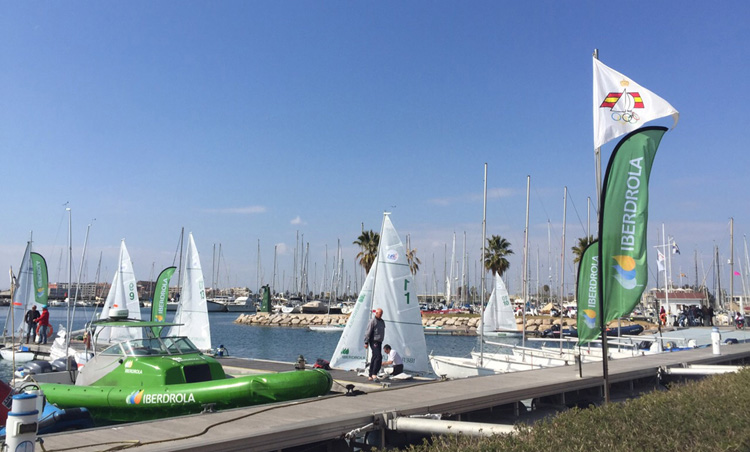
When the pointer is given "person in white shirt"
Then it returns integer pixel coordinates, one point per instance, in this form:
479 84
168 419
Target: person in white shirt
393 359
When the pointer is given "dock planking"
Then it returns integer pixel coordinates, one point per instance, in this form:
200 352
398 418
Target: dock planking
283 425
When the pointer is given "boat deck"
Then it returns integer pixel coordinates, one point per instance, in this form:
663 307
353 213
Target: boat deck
304 422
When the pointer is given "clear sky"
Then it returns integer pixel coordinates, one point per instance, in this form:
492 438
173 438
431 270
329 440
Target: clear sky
247 122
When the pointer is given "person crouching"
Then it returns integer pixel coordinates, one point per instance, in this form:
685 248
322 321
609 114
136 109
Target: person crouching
393 359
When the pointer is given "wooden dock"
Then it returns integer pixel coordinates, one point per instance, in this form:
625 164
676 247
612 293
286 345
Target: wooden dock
286 425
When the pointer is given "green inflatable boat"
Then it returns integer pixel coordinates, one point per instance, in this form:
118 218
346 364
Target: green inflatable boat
142 379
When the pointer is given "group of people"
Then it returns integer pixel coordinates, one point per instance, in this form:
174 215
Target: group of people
374 336
37 323
690 316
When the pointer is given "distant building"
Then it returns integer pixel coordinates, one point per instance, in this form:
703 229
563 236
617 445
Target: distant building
676 299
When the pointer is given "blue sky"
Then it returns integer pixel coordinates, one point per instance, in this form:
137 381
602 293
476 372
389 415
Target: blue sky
246 122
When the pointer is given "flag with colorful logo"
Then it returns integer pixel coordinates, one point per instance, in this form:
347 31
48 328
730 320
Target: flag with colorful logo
675 248
588 295
622 105
623 221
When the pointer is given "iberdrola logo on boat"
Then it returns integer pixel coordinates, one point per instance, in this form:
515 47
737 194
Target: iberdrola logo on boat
625 269
392 256
589 318
134 398
345 351
138 397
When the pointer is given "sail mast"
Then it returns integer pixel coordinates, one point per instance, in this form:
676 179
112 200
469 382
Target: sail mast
70 263
484 239
562 266
525 288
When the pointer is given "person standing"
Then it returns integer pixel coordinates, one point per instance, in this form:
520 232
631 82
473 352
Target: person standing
393 359
374 336
31 316
43 322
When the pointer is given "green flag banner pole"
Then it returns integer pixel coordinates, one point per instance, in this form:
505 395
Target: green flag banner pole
161 296
623 224
588 295
41 281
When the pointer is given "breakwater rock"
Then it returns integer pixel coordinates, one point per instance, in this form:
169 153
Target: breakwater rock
291 320
466 324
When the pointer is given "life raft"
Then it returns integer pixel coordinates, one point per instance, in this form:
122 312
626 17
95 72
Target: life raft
50 330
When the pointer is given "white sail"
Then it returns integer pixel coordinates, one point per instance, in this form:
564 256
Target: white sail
498 315
122 295
388 286
23 297
192 311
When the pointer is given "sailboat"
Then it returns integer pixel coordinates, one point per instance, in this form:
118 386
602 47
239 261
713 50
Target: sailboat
122 301
192 312
31 290
498 318
388 287
494 320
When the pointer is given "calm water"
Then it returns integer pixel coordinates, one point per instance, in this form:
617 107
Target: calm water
273 343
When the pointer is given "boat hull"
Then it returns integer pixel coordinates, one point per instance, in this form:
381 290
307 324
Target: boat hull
109 404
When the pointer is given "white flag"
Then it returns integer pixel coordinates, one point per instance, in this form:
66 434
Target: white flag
622 105
660 260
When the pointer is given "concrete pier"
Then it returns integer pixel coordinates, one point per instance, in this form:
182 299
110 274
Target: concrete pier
329 419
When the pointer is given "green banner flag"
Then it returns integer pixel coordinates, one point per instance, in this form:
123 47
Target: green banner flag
41 282
624 221
588 295
161 296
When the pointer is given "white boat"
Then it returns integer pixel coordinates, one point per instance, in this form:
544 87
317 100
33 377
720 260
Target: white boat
315 307
215 306
241 304
387 286
192 313
21 354
327 328
122 296
290 308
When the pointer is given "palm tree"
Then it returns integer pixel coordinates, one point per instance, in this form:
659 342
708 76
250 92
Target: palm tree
494 258
411 256
578 250
368 241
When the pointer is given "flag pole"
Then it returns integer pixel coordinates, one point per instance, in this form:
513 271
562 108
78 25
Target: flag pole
598 163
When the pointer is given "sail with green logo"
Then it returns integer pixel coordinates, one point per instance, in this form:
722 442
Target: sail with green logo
624 222
588 295
389 286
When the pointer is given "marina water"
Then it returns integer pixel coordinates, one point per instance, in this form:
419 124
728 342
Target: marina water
260 342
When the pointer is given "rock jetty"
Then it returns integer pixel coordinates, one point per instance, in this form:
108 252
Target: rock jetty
466 324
